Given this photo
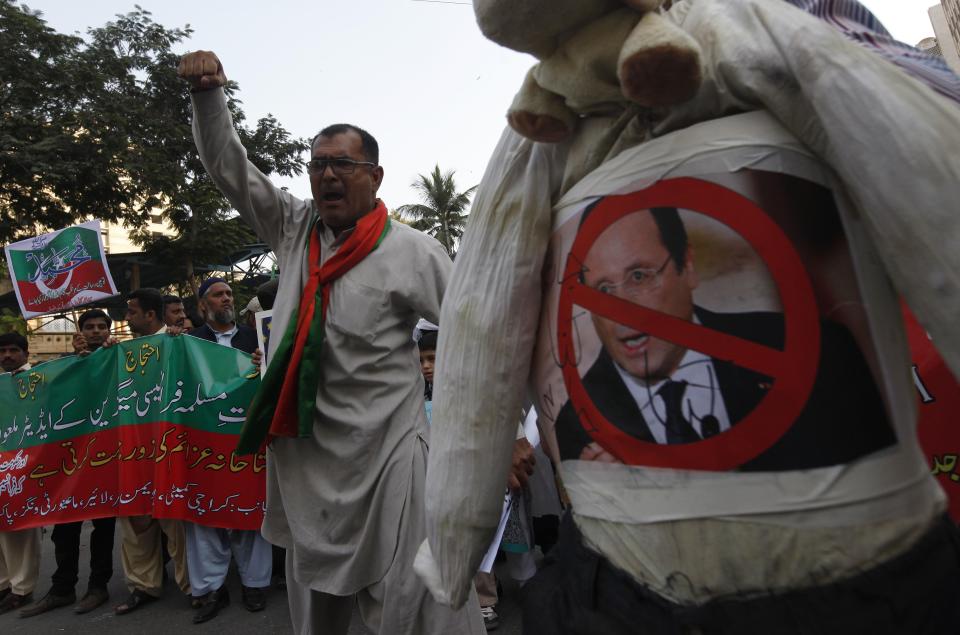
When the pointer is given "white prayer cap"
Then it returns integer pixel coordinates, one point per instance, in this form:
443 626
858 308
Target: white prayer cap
423 325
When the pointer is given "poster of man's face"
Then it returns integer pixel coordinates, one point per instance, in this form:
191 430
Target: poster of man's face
644 258
653 382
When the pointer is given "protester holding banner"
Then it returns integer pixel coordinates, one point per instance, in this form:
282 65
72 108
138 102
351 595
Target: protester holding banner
152 436
141 548
209 548
191 321
345 493
14 353
19 550
94 330
173 313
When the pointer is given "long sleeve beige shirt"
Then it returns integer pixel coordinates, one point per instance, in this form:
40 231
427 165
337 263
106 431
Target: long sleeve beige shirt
335 498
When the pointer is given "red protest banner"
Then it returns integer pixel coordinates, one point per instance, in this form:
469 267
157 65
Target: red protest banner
939 396
161 469
148 426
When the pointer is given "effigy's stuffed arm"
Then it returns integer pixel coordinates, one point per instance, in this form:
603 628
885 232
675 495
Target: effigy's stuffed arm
890 138
624 55
540 114
489 325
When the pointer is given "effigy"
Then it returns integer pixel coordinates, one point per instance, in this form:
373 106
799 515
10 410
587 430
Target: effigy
703 296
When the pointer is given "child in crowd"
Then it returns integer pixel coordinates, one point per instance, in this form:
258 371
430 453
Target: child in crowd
427 343
518 538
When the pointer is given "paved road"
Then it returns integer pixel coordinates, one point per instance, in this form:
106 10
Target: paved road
173 611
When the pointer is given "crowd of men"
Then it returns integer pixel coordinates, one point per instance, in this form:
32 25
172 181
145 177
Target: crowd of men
342 409
345 477
200 554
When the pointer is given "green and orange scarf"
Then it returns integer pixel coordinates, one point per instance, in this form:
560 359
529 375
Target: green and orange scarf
285 403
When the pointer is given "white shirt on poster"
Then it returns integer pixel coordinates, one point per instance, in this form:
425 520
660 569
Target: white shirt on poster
702 397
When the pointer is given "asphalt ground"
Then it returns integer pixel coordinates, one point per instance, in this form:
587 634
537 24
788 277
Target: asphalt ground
172 612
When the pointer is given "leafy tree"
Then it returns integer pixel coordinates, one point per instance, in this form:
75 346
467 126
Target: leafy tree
56 158
442 212
101 127
11 322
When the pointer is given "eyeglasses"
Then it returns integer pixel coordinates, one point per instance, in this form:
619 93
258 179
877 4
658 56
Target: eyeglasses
340 166
637 282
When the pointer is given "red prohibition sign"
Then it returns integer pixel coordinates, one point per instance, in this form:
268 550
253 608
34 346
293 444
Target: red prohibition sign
793 369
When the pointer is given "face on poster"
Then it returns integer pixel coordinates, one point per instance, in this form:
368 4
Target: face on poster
708 323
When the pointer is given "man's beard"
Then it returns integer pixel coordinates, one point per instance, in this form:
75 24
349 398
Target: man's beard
139 328
224 316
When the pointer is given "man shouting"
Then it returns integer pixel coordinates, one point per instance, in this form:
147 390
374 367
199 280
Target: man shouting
342 400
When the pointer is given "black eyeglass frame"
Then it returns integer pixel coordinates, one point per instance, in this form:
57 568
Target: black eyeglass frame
339 165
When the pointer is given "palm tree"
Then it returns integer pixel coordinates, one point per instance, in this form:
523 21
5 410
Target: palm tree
397 217
442 211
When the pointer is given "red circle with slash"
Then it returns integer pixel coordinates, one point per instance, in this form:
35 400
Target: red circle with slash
793 369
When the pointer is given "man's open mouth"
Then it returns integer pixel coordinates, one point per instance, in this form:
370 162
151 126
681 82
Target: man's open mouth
635 341
333 196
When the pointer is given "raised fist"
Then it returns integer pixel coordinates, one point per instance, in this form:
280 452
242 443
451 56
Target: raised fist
202 69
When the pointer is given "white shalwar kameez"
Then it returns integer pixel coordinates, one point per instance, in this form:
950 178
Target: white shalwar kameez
347 503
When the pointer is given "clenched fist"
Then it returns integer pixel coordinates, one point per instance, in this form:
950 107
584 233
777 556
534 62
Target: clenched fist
202 69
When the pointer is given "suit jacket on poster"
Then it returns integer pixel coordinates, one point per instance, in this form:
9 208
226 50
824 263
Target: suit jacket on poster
245 339
844 417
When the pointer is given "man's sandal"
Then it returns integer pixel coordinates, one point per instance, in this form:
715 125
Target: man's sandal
137 599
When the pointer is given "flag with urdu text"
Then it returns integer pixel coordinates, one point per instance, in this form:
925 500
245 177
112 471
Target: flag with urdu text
60 270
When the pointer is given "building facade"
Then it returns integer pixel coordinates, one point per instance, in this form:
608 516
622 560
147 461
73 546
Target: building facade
945 18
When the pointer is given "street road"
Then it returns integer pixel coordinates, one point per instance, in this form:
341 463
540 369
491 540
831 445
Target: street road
172 612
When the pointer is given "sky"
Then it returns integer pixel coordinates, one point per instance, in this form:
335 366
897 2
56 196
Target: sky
416 74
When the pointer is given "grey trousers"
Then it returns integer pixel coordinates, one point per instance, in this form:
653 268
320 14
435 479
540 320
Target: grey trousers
399 604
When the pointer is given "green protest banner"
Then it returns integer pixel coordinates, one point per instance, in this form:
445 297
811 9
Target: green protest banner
144 427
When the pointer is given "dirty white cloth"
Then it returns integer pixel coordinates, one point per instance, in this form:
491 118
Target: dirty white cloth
399 604
887 139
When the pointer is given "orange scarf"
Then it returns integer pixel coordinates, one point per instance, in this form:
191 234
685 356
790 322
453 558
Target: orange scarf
285 402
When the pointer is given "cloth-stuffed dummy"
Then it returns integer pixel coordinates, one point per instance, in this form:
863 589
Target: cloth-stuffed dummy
813 121
592 54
